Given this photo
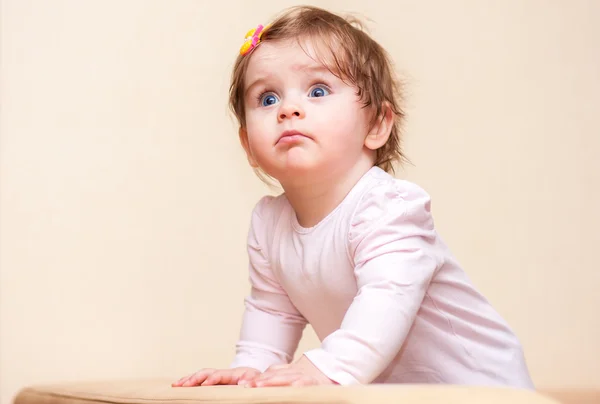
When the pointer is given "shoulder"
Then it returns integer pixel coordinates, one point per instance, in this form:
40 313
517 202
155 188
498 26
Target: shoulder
265 219
390 211
268 209
390 198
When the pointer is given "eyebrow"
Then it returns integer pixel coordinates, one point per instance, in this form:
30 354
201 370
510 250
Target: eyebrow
310 68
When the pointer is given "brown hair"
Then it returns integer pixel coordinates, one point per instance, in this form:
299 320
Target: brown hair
352 55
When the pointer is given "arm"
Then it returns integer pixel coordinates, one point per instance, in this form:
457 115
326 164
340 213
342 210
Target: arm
271 326
392 245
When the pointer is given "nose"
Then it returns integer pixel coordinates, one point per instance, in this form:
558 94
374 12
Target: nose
290 110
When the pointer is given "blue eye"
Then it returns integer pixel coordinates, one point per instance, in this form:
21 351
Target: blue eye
268 99
319 92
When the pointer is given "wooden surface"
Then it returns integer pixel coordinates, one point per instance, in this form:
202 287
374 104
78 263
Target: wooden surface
160 391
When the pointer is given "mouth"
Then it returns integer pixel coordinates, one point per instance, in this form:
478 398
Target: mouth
291 136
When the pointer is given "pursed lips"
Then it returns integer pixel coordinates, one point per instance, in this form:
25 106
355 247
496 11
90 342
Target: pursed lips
290 136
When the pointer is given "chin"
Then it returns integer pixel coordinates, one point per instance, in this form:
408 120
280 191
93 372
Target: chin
303 164
295 169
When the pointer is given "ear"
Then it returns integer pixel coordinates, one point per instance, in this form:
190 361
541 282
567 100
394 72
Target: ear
244 141
381 130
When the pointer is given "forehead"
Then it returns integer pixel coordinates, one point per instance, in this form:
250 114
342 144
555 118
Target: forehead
277 56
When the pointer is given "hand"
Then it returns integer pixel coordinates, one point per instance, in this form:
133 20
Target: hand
211 377
301 373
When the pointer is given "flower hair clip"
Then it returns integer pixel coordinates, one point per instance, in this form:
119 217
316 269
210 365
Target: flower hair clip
252 39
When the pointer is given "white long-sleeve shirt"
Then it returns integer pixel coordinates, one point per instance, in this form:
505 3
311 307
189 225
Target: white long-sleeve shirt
380 288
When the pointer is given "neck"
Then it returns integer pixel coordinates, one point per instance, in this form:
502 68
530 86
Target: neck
313 200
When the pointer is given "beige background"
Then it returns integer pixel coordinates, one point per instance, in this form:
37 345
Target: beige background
125 197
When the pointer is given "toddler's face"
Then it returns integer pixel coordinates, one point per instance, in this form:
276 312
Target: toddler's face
300 118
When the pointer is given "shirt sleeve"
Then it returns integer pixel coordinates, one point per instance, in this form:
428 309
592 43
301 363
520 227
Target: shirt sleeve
271 326
392 242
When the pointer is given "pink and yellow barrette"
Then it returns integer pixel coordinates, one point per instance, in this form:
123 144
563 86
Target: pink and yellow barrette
252 39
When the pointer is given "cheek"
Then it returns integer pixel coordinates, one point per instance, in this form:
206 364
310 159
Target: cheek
257 121
346 126
345 111
259 137
251 121
255 124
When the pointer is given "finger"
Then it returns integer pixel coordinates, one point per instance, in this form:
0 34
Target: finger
278 380
302 382
197 378
226 376
181 381
271 373
213 379
247 376
278 367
